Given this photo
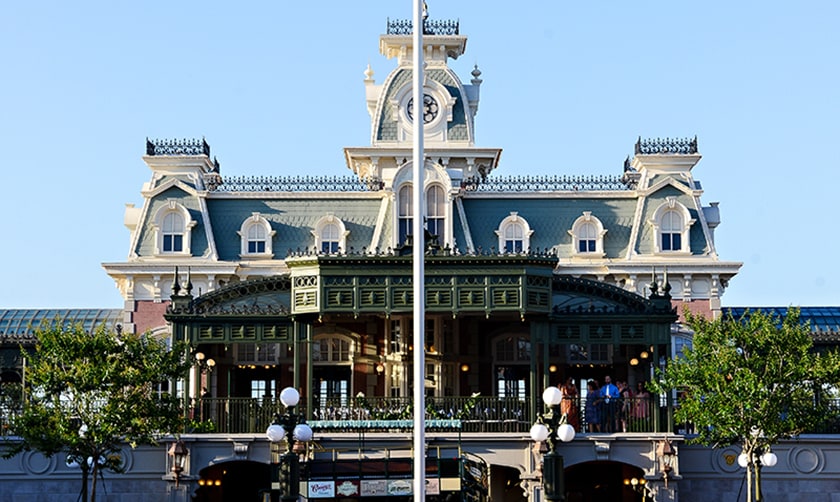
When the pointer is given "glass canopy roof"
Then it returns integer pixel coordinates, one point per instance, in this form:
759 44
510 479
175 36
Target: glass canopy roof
22 323
821 318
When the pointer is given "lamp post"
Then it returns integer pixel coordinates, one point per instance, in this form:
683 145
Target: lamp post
179 452
753 463
550 428
285 472
205 365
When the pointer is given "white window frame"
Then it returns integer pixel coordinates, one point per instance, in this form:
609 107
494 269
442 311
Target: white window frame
322 225
405 212
583 222
511 221
256 221
433 213
173 208
669 207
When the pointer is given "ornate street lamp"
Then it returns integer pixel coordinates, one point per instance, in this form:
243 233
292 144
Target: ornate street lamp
291 427
550 428
179 452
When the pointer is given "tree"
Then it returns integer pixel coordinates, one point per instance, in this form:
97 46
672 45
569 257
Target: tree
88 394
753 381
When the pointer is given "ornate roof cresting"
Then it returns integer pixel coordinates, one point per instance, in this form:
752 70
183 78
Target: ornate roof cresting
177 147
552 183
680 146
294 184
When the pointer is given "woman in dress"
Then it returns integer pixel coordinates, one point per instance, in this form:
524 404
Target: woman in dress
592 415
569 405
641 408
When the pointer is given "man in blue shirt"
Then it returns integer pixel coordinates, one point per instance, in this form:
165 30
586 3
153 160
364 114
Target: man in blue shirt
609 400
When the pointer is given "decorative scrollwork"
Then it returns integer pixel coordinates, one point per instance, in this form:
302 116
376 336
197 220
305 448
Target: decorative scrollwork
682 146
295 184
430 27
552 183
178 147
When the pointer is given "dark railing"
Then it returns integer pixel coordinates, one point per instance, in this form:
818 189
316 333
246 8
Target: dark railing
683 146
472 414
552 183
475 414
295 184
430 27
177 147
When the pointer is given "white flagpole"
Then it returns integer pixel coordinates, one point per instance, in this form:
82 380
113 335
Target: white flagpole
418 252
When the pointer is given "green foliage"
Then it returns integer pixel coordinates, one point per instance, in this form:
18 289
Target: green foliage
87 394
754 380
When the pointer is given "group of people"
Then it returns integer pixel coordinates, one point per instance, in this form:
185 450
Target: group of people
611 408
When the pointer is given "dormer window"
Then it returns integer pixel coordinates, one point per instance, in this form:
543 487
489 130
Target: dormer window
588 236
672 223
436 212
173 225
671 231
404 212
330 235
173 233
514 234
256 237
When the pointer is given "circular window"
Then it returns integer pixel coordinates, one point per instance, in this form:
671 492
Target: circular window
430 109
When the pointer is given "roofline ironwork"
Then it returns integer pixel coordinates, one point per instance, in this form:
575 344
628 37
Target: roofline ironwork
552 183
293 184
430 27
668 146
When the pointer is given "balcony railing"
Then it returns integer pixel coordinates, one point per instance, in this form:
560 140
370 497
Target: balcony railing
472 414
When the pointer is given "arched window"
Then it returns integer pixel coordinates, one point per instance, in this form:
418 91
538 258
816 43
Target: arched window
173 225
588 236
514 234
330 235
672 223
329 238
173 233
404 212
436 211
671 234
256 237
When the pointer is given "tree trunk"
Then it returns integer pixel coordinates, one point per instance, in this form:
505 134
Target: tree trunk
750 482
84 494
94 472
757 482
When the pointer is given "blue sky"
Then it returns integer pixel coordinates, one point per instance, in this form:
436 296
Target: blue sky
276 88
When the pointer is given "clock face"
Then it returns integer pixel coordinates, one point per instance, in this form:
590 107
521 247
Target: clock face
430 109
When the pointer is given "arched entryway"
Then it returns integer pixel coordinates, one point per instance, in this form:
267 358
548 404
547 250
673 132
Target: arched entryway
235 481
506 484
599 481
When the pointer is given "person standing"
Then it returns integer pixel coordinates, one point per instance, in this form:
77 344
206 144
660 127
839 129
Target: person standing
641 409
569 405
609 405
624 403
591 412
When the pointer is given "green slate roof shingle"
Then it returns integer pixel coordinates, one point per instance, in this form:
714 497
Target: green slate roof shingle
551 219
293 220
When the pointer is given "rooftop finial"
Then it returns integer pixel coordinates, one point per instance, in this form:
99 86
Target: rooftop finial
176 287
653 286
189 281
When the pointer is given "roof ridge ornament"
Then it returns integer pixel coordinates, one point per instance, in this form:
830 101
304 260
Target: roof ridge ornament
666 146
